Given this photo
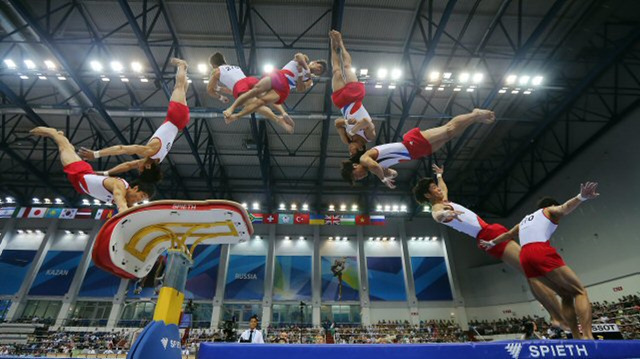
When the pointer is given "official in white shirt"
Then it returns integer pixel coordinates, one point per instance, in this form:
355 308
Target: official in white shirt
252 335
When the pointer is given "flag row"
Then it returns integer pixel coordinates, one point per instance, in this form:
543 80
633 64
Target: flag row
61 213
318 219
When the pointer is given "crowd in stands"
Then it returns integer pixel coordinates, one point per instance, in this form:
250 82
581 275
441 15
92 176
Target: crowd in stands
625 313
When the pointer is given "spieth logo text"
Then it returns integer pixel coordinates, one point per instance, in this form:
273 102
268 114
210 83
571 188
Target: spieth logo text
547 350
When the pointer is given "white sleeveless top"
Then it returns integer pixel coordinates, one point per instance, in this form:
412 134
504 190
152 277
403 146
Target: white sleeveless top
229 75
293 67
95 187
536 227
166 133
470 222
360 133
391 154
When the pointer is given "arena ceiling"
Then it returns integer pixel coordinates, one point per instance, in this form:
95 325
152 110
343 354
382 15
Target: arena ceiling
585 50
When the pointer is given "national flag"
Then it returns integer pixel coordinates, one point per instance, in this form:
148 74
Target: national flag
316 220
255 217
35 212
285 218
301 218
377 220
363 220
68 213
84 213
348 220
7 212
271 218
103 214
332 220
53 213
20 212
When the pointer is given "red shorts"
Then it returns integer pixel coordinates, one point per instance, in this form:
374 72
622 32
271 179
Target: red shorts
178 114
350 93
490 232
539 258
244 85
280 85
76 172
416 144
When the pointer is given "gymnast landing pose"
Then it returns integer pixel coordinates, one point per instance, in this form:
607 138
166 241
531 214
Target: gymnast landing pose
466 221
338 267
415 144
158 147
541 261
235 82
86 181
275 88
355 127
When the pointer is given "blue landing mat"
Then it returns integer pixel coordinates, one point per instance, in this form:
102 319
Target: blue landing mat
504 349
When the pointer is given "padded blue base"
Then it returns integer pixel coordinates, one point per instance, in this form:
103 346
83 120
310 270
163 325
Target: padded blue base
504 349
157 340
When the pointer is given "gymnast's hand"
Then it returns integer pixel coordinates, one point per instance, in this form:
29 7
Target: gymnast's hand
486 245
437 170
86 154
389 182
589 190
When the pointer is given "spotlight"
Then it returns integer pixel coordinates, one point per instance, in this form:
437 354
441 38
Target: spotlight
413 238
81 233
29 231
370 239
387 208
523 80
354 207
67 232
47 201
62 78
440 88
30 64
10 64
345 239
20 231
301 238
124 79
420 238
447 75
244 205
144 79
403 208
536 81
58 201
457 89
145 201
286 238
426 209
377 239
282 207
434 76
105 79
502 91
49 64
96 66
330 238
332 208
395 208
384 239
38 231
469 90
364 72
379 208
136 66
36 200
464 77
382 73
294 207
343 207
305 207
428 88
337 238
96 202
267 68
511 79
189 81
9 200
258 238
378 86
396 74
41 77
255 206
116 66
205 81
353 69
392 239
391 87
477 78
202 68
515 92
434 238
24 77
527 92
85 202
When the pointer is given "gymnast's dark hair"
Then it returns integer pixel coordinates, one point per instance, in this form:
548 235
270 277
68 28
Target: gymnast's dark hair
421 189
145 187
324 64
153 174
356 156
217 59
347 171
547 201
